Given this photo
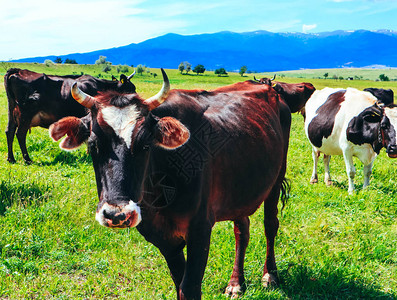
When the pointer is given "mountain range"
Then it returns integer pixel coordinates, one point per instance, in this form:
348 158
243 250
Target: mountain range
260 51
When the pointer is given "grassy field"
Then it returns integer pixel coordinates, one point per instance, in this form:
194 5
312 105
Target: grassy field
355 73
330 245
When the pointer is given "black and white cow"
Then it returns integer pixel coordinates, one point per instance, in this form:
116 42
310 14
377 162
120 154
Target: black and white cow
350 123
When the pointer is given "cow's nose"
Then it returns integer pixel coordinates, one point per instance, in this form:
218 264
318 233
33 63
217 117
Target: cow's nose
112 218
392 151
119 216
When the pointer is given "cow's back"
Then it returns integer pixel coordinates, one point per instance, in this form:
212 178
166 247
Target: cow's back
248 133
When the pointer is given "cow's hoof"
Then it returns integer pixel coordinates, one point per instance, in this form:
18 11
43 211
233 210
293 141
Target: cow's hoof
328 182
233 291
269 280
28 161
11 160
313 180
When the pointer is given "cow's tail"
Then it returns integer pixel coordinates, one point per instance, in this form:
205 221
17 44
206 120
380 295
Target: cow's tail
10 96
285 191
9 93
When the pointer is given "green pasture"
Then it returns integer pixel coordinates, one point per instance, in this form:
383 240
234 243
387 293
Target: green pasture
330 245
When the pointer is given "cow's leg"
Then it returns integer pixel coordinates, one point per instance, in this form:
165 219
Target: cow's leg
367 174
176 264
10 133
327 175
241 234
315 155
270 276
350 170
198 243
21 136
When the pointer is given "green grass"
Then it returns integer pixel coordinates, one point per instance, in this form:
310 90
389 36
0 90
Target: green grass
330 245
362 73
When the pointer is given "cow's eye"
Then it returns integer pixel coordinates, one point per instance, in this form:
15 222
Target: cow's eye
372 118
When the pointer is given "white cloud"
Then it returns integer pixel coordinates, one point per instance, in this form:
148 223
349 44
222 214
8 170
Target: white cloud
57 27
306 28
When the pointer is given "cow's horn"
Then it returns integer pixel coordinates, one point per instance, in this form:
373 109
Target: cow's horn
274 77
379 104
159 98
132 75
256 79
81 97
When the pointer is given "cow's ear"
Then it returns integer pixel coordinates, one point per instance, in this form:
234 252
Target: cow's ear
76 130
123 78
114 78
277 87
170 133
354 131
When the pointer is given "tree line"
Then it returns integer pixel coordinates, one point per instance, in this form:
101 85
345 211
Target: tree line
141 69
185 67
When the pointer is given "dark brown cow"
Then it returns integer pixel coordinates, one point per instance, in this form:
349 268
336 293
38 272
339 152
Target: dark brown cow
293 93
176 163
36 99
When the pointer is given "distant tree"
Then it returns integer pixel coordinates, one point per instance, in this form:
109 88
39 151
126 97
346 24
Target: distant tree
199 69
101 60
154 75
106 68
220 72
341 78
334 77
326 75
106 65
58 60
140 69
181 67
122 69
383 77
70 61
243 69
188 67
48 62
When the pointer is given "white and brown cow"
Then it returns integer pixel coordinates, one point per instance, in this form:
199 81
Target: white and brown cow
350 123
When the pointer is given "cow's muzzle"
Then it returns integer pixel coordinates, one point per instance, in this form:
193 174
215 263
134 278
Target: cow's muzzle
391 151
119 216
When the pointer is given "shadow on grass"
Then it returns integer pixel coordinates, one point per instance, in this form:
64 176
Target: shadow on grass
24 193
73 159
301 282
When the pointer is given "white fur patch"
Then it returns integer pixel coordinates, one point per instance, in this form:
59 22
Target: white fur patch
391 113
122 120
132 206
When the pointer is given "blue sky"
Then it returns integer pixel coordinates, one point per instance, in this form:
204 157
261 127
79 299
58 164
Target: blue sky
56 27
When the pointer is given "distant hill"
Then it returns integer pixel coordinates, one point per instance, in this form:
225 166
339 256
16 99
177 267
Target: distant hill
259 50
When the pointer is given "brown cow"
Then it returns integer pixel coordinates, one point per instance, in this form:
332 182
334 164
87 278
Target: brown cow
176 163
293 93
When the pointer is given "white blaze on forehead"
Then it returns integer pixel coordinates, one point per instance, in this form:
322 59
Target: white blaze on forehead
122 120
